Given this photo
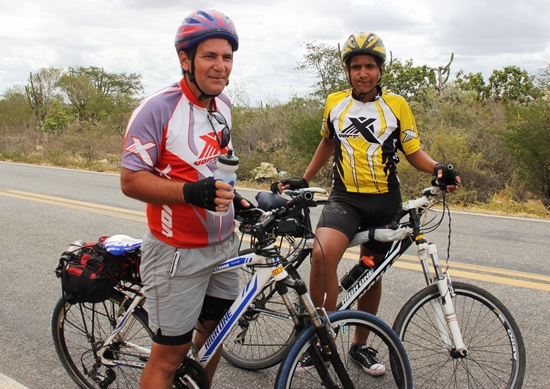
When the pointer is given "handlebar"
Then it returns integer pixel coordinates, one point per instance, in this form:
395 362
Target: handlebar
258 222
423 201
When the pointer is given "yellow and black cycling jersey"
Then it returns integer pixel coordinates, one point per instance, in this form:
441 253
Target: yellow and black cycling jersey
367 137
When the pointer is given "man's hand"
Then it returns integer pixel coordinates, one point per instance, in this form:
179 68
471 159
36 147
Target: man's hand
214 195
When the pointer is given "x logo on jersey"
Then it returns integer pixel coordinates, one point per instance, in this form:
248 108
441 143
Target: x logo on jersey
141 149
365 128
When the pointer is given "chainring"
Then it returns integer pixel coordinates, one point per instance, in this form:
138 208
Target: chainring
191 374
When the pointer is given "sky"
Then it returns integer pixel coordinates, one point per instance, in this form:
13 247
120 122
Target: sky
136 36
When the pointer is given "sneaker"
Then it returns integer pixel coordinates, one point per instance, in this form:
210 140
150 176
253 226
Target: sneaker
306 363
366 358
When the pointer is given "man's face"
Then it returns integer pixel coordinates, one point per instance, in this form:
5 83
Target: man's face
364 73
213 64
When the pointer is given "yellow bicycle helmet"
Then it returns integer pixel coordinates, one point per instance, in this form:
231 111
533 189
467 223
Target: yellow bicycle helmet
364 43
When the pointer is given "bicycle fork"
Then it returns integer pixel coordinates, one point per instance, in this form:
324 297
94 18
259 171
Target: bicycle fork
323 329
447 323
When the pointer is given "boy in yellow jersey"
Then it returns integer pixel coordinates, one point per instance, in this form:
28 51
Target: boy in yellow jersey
363 127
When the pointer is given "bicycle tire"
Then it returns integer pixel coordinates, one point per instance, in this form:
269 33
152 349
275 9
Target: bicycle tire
496 352
390 352
264 333
78 331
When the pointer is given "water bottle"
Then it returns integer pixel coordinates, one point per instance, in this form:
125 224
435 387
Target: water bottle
357 271
75 247
226 166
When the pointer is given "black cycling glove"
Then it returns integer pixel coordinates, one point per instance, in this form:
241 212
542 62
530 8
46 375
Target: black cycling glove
201 193
293 183
237 202
449 175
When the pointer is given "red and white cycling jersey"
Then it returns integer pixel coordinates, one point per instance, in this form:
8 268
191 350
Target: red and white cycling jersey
170 135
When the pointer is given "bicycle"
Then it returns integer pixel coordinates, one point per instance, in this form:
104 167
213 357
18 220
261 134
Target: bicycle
107 344
456 334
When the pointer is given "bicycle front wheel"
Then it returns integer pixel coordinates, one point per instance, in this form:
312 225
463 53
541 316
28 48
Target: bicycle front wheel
264 332
294 372
79 331
496 353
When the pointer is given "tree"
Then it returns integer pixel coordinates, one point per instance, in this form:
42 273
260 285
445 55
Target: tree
56 120
42 90
474 83
96 95
543 82
110 84
79 92
14 108
527 138
510 84
513 84
407 80
323 61
305 119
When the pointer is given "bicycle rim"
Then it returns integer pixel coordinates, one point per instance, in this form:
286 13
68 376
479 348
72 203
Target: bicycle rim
496 353
382 338
78 332
264 332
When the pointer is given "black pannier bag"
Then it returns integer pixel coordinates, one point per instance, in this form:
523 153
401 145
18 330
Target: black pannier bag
89 272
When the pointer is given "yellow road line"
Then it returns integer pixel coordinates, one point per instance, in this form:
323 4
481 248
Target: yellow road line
481 277
78 205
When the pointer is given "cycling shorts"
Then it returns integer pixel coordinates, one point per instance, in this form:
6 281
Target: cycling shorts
177 280
350 212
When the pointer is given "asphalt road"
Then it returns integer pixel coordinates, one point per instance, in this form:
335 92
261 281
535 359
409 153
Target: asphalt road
44 209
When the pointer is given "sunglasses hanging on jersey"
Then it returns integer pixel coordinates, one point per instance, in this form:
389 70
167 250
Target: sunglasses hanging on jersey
226 134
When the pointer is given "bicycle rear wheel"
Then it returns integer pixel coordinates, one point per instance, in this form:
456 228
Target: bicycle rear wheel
264 332
496 353
78 332
382 338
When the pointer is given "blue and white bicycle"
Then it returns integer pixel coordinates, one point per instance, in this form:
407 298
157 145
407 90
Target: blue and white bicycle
107 344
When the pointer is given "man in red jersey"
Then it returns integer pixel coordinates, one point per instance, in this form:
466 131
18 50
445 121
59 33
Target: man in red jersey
173 141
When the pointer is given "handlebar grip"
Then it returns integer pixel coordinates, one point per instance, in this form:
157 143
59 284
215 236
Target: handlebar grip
299 199
308 196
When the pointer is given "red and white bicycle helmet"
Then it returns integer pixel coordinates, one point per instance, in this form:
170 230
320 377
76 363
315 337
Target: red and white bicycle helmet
205 24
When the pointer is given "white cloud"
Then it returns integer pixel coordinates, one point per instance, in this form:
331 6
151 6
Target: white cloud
136 36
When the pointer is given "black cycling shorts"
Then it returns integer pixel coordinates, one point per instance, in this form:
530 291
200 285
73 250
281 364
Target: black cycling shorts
350 212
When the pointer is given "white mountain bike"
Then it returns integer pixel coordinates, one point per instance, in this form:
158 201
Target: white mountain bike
107 344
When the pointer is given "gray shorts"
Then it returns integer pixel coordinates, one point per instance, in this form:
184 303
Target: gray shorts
176 281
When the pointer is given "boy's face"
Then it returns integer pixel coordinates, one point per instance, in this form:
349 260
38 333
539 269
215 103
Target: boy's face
364 74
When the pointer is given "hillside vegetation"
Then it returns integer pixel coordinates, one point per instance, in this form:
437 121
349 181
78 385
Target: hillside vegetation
495 132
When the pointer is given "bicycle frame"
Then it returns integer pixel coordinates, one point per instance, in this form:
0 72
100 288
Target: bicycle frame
445 313
272 269
255 285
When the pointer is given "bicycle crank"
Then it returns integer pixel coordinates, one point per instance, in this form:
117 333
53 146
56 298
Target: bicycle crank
191 375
